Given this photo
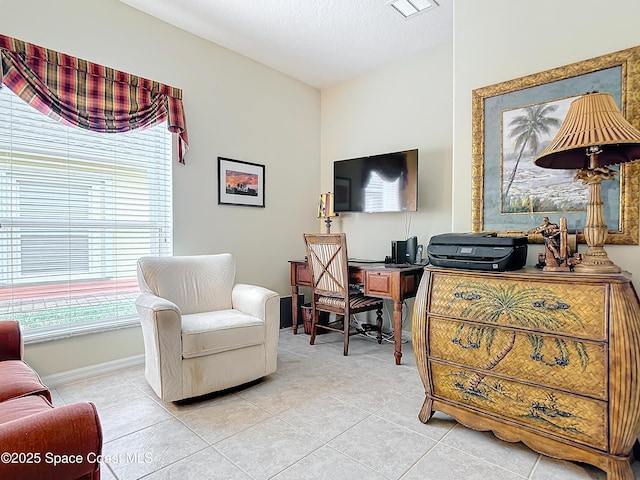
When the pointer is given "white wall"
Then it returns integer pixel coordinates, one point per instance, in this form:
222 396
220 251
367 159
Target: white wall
499 40
235 108
404 105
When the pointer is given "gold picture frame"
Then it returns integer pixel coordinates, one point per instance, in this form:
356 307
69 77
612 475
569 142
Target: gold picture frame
618 71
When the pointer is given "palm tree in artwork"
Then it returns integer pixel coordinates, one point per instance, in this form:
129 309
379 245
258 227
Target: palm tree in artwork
527 129
532 307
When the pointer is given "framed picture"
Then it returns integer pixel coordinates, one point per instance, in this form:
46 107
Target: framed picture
513 122
240 183
342 195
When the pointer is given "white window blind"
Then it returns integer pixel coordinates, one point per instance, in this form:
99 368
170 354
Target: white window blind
382 195
77 210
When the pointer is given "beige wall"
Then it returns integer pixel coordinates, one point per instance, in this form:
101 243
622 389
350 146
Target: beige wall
498 40
235 108
404 105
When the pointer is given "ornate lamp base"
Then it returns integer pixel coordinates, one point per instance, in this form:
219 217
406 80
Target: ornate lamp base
595 260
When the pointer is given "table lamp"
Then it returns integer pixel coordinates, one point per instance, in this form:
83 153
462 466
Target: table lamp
325 209
593 135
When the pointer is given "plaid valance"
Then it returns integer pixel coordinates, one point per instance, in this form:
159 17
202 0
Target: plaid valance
89 95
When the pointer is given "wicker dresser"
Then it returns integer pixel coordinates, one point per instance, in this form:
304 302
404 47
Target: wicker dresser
549 359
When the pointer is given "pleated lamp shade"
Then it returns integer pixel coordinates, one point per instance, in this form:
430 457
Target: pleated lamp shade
592 120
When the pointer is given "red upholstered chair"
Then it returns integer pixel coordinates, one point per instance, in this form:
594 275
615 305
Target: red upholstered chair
33 432
17 379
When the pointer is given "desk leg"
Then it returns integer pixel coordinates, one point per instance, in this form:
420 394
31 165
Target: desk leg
294 309
397 331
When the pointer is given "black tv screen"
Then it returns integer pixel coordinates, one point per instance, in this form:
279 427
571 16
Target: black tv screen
379 183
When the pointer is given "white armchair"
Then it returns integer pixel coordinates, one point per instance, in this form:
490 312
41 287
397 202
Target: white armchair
202 332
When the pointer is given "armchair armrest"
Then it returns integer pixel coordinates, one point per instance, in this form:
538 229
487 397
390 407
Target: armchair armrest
253 300
72 430
264 304
153 303
11 344
161 322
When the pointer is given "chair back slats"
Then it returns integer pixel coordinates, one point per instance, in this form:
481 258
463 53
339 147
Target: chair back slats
327 256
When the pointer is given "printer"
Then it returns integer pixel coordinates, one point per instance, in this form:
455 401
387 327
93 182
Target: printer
477 251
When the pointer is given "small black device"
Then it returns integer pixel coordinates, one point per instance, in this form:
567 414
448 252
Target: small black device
411 250
478 251
398 251
404 251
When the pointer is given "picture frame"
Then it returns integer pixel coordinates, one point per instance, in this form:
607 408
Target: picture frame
240 183
511 202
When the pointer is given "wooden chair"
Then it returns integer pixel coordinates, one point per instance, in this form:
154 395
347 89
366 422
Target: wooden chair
327 258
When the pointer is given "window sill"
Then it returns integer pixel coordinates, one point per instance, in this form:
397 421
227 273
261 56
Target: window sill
53 334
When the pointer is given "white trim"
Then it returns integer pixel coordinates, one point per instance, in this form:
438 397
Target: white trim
92 371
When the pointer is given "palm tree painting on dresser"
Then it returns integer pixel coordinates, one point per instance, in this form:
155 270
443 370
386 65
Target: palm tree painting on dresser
528 307
514 310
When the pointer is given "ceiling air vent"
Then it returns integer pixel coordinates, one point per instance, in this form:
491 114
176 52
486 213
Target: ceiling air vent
410 8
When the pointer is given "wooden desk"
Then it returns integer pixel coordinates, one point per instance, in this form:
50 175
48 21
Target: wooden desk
395 283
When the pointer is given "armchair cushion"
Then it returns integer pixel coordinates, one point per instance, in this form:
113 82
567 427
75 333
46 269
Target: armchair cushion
17 379
215 332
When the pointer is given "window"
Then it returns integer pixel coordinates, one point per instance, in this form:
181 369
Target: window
77 209
382 195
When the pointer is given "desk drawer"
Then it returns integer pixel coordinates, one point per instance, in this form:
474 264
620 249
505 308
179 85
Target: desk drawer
303 275
379 283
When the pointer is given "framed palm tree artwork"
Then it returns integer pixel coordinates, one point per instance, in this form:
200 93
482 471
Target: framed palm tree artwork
513 121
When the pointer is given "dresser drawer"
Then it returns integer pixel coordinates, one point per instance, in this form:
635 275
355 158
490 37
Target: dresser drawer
552 361
564 308
572 417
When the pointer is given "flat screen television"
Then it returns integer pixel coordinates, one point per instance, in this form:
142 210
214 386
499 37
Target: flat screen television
379 183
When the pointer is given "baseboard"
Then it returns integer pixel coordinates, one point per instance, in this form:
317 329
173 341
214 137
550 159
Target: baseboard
92 371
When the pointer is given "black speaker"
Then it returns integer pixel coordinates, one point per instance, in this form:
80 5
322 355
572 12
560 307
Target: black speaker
411 247
399 251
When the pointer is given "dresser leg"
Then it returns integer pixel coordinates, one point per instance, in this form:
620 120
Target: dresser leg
619 470
426 411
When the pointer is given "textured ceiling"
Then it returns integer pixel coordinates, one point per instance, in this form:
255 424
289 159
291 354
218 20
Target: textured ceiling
320 42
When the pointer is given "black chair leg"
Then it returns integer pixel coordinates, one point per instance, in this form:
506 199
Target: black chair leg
379 324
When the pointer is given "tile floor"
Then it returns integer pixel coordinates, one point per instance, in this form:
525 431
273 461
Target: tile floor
320 416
